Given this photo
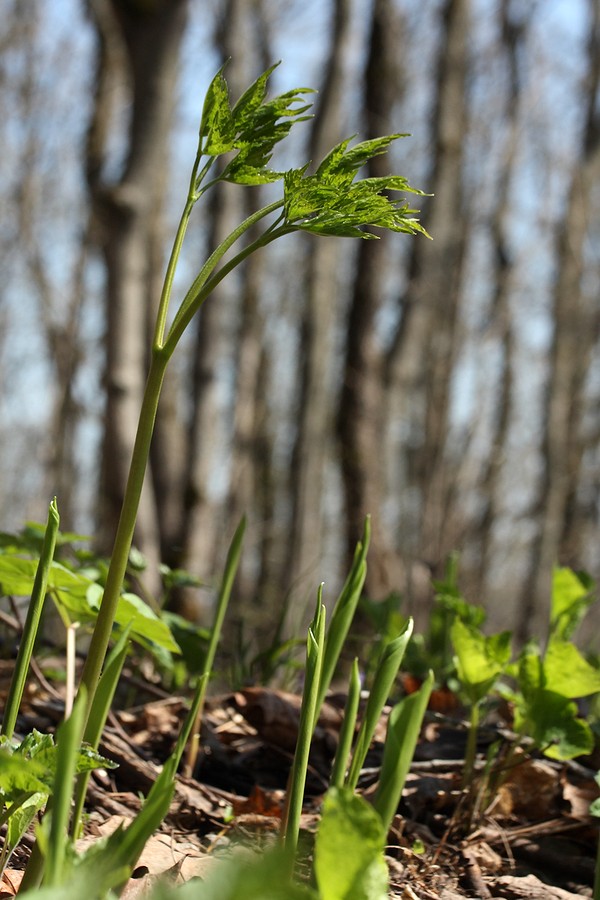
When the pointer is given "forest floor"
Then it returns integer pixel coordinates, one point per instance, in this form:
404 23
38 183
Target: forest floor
534 839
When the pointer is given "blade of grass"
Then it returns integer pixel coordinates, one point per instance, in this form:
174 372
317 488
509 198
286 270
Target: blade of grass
231 567
34 612
386 672
98 715
68 742
314 659
404 727
343 613
342 756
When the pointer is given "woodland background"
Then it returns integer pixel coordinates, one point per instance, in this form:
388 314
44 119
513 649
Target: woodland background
451 388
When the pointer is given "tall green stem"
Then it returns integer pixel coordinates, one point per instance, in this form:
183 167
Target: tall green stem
34 612
124 536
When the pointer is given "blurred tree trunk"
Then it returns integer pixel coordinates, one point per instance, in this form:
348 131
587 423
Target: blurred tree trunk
422 355
149 40
250 489
576 321
314 431
59 309
513 36
360 424
228 334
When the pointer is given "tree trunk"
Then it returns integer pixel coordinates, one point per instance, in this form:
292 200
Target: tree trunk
421 358
360 425
151 39
575 333
513 38
314 432
219 409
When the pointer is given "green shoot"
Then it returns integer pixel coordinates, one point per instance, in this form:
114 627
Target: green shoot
68 741
98 716
34 612
231 567
343 613
385 675
404 726
479 661
329 202
314 660
342 756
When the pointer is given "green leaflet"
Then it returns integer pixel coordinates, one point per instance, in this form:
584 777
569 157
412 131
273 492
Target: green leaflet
331 203
479 660
570 601
252 127
548 716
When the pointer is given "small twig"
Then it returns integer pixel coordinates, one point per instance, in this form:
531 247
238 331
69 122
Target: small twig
473 874
70 678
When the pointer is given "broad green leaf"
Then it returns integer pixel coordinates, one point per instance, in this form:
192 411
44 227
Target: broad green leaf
349 862
551 720
570 600
479 660
21 818
531 676
132 610
19 775
191 639
16 575
567 672
146 626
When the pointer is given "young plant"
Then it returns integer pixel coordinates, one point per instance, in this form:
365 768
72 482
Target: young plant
479 661
29 773
328 202
404 726
34 613
309 713
331 202
385 675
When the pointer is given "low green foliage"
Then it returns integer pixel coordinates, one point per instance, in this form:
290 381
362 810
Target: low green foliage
28 773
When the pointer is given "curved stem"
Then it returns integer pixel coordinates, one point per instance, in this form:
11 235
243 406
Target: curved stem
189 302
195 300
194 194
163 307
